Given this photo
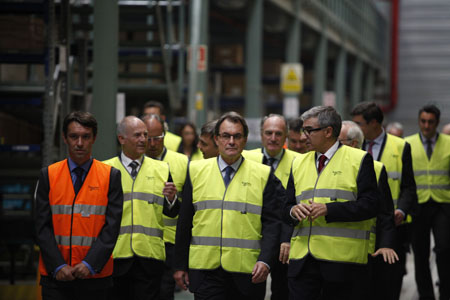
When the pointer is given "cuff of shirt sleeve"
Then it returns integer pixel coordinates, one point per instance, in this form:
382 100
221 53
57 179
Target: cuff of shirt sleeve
57 270
402 212
171 204
265 264
290 213
89 267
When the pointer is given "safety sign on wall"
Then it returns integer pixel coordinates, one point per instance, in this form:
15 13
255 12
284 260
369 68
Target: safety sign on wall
291 78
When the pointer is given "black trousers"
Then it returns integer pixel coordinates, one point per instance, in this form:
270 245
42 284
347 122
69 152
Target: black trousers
167 282
222 285
279 284
73 293
436 217
139 282
310 284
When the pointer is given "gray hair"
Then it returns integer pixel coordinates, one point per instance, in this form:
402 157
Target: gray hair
395 125
326 116
354 132
263 120
156 117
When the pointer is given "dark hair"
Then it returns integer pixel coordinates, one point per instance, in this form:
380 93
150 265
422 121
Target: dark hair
431 109
84 118
369 111
296 124
263 120
157 104
233 117
153 116
326 116
208 128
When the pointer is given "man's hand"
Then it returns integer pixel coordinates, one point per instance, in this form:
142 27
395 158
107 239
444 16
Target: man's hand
301 211
317 210
284 252
65 274
398 217
182 279
389 255
169 191
260 272
80 271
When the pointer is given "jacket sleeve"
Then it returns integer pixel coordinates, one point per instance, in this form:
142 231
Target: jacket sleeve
385 219
407 200
367 200
103 246
289 202
184 228
270 219
45 235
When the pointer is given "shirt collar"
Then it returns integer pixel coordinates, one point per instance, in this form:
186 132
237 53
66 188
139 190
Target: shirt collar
162 154
330 152
276 157
85 166
223 164
126 160
424 139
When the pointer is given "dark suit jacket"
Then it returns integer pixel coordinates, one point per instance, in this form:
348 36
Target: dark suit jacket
270 218
100 250
365 207
122 265
407 200
385 219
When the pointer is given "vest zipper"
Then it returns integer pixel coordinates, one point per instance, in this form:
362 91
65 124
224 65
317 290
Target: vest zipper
310 221
221 221
132 223
71 227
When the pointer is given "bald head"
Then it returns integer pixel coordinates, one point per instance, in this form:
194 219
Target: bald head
446 129
132 135
273 133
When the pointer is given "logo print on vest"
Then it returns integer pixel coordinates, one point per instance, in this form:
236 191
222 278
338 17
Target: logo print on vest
93 188
150 177
337 173
246 183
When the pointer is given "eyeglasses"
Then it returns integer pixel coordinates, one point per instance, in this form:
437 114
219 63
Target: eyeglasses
227 136
342 141
156 138
308 130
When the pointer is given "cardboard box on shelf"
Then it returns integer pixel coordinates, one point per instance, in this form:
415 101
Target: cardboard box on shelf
272 67
233 85
13 73
228 55
22 34
271 93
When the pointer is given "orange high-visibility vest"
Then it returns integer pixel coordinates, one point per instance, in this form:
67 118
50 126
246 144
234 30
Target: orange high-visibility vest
78 220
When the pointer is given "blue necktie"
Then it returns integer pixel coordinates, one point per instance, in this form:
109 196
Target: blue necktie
227 178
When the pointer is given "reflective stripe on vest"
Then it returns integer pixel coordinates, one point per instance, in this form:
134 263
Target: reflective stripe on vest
226 232
229 205
431 175
336 182
326 193
141 229
78 220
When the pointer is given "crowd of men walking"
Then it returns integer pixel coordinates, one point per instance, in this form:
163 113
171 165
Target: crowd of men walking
328 207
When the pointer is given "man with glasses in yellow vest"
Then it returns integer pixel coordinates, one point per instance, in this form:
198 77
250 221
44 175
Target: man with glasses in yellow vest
395 154
178 167
431 162
332 196
149 193
273 136
228 229
78 211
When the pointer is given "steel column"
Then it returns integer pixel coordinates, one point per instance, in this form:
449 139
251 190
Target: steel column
320 68
369 84
339 82
356 83
106 32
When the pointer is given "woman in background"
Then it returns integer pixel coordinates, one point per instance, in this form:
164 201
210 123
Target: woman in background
189 141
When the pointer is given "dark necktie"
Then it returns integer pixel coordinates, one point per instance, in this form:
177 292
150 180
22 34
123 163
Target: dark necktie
133 166
227 178
371 143
79 181
270 162
322 160
429 148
